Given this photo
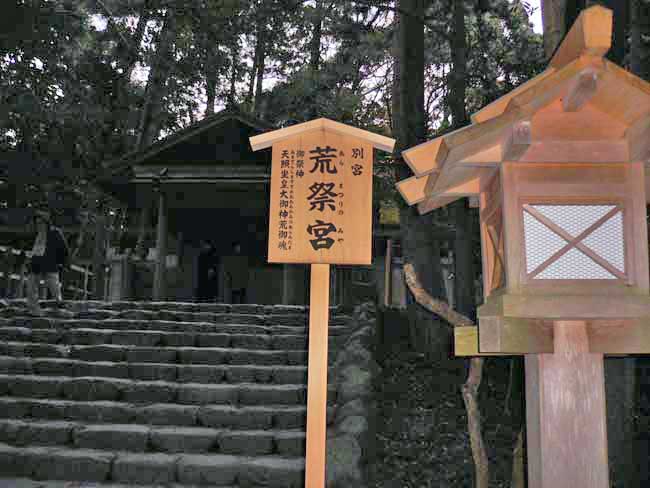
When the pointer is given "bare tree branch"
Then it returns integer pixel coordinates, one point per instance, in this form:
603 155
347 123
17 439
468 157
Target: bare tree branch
433 305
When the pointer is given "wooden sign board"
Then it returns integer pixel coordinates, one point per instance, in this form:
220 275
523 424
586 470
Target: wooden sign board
321 199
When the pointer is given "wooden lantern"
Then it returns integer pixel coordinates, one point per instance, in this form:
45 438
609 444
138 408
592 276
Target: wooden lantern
558 169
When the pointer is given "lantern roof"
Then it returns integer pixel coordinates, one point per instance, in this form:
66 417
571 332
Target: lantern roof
583 109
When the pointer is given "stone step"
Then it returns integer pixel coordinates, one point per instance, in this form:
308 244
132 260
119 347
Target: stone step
270 416
29 483
174 315
171 305
90 388
163 326
145 438
97 336
121 467
167 355
182 373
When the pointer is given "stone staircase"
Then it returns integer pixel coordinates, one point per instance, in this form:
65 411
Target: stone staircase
155 394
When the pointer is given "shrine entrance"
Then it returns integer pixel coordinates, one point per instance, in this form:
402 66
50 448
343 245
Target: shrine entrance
203 183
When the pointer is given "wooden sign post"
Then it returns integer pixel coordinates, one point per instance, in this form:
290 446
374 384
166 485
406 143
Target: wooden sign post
321 214
559 167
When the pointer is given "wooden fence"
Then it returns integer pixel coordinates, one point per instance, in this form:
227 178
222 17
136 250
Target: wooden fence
76 279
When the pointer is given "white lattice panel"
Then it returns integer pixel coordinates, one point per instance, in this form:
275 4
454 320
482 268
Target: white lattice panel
541 242
607 241
574 219
575 265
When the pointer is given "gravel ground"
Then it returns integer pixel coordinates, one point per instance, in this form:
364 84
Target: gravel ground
422 438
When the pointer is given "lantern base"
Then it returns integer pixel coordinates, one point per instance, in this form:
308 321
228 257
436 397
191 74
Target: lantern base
511 324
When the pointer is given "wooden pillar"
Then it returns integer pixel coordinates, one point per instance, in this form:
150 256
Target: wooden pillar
388 268
317 376
180 248
140 250
161 249
565 413
99 256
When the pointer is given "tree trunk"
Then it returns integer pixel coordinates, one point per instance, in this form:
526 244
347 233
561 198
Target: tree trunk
131 56
458 75
518 478
553 17
621 20
572 10
315 42
474 427
211 77
261 43
395 101
233 76
99 254
635 38
156 85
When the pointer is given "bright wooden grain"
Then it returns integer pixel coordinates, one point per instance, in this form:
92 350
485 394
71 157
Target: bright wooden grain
317 376
565 413
356 221
268 139
580 91
413 189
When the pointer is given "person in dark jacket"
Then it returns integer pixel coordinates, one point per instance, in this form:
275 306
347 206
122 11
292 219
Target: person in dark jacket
236 269
48 256
207 270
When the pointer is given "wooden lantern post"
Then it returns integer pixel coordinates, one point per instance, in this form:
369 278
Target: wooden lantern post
321 214
559 169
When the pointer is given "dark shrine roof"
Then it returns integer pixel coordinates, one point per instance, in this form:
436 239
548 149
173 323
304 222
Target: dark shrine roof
222 137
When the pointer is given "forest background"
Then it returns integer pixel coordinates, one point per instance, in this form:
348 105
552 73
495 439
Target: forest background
84 81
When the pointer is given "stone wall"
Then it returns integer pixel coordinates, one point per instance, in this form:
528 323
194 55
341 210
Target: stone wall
351 436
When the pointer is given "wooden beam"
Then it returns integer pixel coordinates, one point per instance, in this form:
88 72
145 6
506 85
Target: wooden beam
427 157
514 335
413 189
466 343
517 141
466 182
581 90
590 35
578 152
631 336
430 185
637 137
588 306
434 203
492 155
499 106
466 189
551 88
267 139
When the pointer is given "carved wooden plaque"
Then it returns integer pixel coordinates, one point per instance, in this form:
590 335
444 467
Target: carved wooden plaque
321 199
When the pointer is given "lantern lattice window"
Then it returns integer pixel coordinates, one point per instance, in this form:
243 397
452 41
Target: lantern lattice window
574 242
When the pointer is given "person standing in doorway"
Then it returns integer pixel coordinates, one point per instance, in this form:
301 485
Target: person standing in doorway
207 269
49 256
237 274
